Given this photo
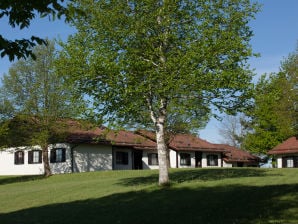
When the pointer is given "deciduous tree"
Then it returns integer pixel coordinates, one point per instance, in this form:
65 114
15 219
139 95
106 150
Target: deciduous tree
36 99
154 58
232 129
274 116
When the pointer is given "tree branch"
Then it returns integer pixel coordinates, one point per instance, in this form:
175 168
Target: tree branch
152 114
145 59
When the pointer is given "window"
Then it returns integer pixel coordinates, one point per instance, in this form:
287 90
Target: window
57 155
185 159
212 160
153 159
290 162
34 156
19 157
122 158
295 158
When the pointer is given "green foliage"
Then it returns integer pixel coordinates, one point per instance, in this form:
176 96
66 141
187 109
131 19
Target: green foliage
290 70
20 14
6 109
274 116
34 94
160 63
138 60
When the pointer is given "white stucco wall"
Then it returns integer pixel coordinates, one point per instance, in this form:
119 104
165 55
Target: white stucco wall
92 158
234 164
279 161
173 160
227 164
8 167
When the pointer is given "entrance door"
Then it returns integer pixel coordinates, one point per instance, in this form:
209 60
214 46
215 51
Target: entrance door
198 157
239 164
137 160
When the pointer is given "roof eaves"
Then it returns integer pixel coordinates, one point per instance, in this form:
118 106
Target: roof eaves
200 149
282 151
240 160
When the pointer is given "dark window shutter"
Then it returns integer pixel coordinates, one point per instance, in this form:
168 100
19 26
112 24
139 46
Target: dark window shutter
16 158
30 157
63 155
216 160
40 156
125 158
150 159
295 158
22 158
53 156
157 163
188 160
19 157
284 162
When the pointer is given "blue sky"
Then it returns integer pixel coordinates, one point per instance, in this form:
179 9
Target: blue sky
275 36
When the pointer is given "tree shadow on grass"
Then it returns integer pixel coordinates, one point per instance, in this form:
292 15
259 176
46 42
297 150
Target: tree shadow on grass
17 179
230 204
185 175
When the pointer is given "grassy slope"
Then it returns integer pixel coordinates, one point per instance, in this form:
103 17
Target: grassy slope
196 196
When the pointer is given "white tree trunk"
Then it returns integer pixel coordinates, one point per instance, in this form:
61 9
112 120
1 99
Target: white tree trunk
159 121
162 154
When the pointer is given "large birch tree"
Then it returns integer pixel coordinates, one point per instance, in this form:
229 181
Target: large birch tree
142 61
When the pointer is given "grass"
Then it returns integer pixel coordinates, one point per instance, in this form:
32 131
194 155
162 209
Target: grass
211 196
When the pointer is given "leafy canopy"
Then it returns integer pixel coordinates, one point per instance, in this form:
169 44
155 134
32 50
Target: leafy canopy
20 14
142 59
160 61
34 97
274 117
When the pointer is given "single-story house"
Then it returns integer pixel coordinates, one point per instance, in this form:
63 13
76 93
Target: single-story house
286 153
102 149
234 157
187 150
83 151
191 151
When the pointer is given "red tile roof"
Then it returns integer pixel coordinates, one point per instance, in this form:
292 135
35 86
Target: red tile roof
289 146
143 139
185 142
106 136
237 155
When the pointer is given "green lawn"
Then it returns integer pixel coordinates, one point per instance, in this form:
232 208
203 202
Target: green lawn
247 196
